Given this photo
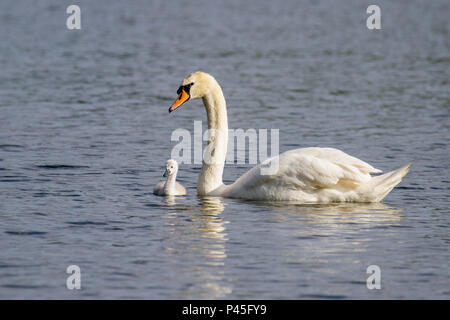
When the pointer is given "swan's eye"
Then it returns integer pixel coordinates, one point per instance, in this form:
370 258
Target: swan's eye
186 87
171 167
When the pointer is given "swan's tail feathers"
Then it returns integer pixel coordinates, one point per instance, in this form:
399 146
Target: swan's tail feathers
379 187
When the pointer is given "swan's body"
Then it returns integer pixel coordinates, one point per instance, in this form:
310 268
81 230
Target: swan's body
308 175
170 187
316 175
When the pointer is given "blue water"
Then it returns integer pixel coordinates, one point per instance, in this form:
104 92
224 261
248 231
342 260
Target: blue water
85 133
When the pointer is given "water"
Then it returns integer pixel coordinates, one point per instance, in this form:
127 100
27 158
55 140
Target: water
85 133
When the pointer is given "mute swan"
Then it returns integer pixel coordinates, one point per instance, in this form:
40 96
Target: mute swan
307 175
170 187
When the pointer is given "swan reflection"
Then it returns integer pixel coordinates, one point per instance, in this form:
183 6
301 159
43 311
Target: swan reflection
170 200
321 231
340 212
305 235
197 237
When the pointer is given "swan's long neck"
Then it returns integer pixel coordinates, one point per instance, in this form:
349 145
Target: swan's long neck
214 156
169 187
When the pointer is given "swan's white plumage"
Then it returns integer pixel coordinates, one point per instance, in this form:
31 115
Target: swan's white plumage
317 175
307 175
160 189
314 168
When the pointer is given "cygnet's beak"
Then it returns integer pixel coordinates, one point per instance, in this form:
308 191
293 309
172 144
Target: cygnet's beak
183 96
166 173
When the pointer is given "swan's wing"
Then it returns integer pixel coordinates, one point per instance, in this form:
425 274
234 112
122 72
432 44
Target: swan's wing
180 190
158 188
306 169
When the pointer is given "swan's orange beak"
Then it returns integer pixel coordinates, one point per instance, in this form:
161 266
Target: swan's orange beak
182 98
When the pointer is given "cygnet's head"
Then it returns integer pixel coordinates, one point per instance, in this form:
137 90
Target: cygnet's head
171 168
194 86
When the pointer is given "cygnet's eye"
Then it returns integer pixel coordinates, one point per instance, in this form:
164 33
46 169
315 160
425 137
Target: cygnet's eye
171 167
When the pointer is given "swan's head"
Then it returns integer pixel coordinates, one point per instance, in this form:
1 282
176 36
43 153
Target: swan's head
194 86
171 168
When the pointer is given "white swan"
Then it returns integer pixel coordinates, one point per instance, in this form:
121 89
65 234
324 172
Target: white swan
170 187
307 175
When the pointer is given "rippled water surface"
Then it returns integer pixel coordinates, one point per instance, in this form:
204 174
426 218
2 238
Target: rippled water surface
85 133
